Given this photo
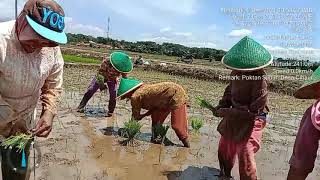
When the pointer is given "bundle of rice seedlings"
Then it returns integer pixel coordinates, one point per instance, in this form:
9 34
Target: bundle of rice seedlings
19 141
131 131
100 79
204 103
160 132
196 124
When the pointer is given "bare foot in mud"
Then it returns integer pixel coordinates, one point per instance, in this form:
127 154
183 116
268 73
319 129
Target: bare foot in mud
109 114
80 110
166 142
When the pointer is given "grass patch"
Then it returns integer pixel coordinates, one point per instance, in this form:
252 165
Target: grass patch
79 59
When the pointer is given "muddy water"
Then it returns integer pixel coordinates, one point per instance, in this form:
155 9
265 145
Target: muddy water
86 147
146 161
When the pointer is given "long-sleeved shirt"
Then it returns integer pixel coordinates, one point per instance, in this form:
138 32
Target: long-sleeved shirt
108 72
248 92
245 98
26 78
165 95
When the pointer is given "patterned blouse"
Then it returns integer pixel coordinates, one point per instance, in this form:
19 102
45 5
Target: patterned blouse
165 95
26 78
108 71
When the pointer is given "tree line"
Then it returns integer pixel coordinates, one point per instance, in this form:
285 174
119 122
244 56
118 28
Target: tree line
171 49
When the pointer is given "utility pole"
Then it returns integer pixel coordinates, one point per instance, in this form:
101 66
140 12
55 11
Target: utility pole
16 8
108 31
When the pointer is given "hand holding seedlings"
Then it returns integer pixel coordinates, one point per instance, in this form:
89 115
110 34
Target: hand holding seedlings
204 103
100 81
44 125
19 141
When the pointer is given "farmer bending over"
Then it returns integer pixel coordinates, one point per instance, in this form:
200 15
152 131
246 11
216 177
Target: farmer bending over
308 137
31 68
160 100
243 108
119 64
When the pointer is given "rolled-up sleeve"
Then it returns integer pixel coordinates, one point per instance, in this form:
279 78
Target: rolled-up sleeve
52 87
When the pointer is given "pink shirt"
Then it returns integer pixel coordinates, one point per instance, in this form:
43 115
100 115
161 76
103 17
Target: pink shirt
315 114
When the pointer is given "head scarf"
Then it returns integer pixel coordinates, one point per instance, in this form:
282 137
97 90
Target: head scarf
28 38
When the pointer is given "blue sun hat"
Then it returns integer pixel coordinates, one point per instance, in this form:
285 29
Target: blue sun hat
46 17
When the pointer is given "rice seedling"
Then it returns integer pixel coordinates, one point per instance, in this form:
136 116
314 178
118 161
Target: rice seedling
204 103
100 79
19 141
196 124
160 132
131 131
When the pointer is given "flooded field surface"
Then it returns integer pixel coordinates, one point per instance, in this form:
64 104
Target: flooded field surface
86 146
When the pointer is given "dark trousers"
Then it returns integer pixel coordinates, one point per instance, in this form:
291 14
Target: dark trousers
93 88
11 159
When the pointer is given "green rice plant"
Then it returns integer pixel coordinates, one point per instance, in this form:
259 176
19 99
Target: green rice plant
196 124
79 59
204 103
19 141
131 131
160 132
100 79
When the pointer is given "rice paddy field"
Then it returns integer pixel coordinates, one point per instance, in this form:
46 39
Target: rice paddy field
87 146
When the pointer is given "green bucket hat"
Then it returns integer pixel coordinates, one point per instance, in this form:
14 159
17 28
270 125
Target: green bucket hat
247 55
127 85
121 62
310 88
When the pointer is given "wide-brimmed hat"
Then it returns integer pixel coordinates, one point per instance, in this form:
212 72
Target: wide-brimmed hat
121 62
310 88
247 55
47 18
127 85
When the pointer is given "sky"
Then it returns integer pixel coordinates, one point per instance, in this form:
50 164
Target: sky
194 23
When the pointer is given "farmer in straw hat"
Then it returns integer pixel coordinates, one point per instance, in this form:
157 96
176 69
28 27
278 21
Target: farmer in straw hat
307 140
243 108
160 100
31 67
118 64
